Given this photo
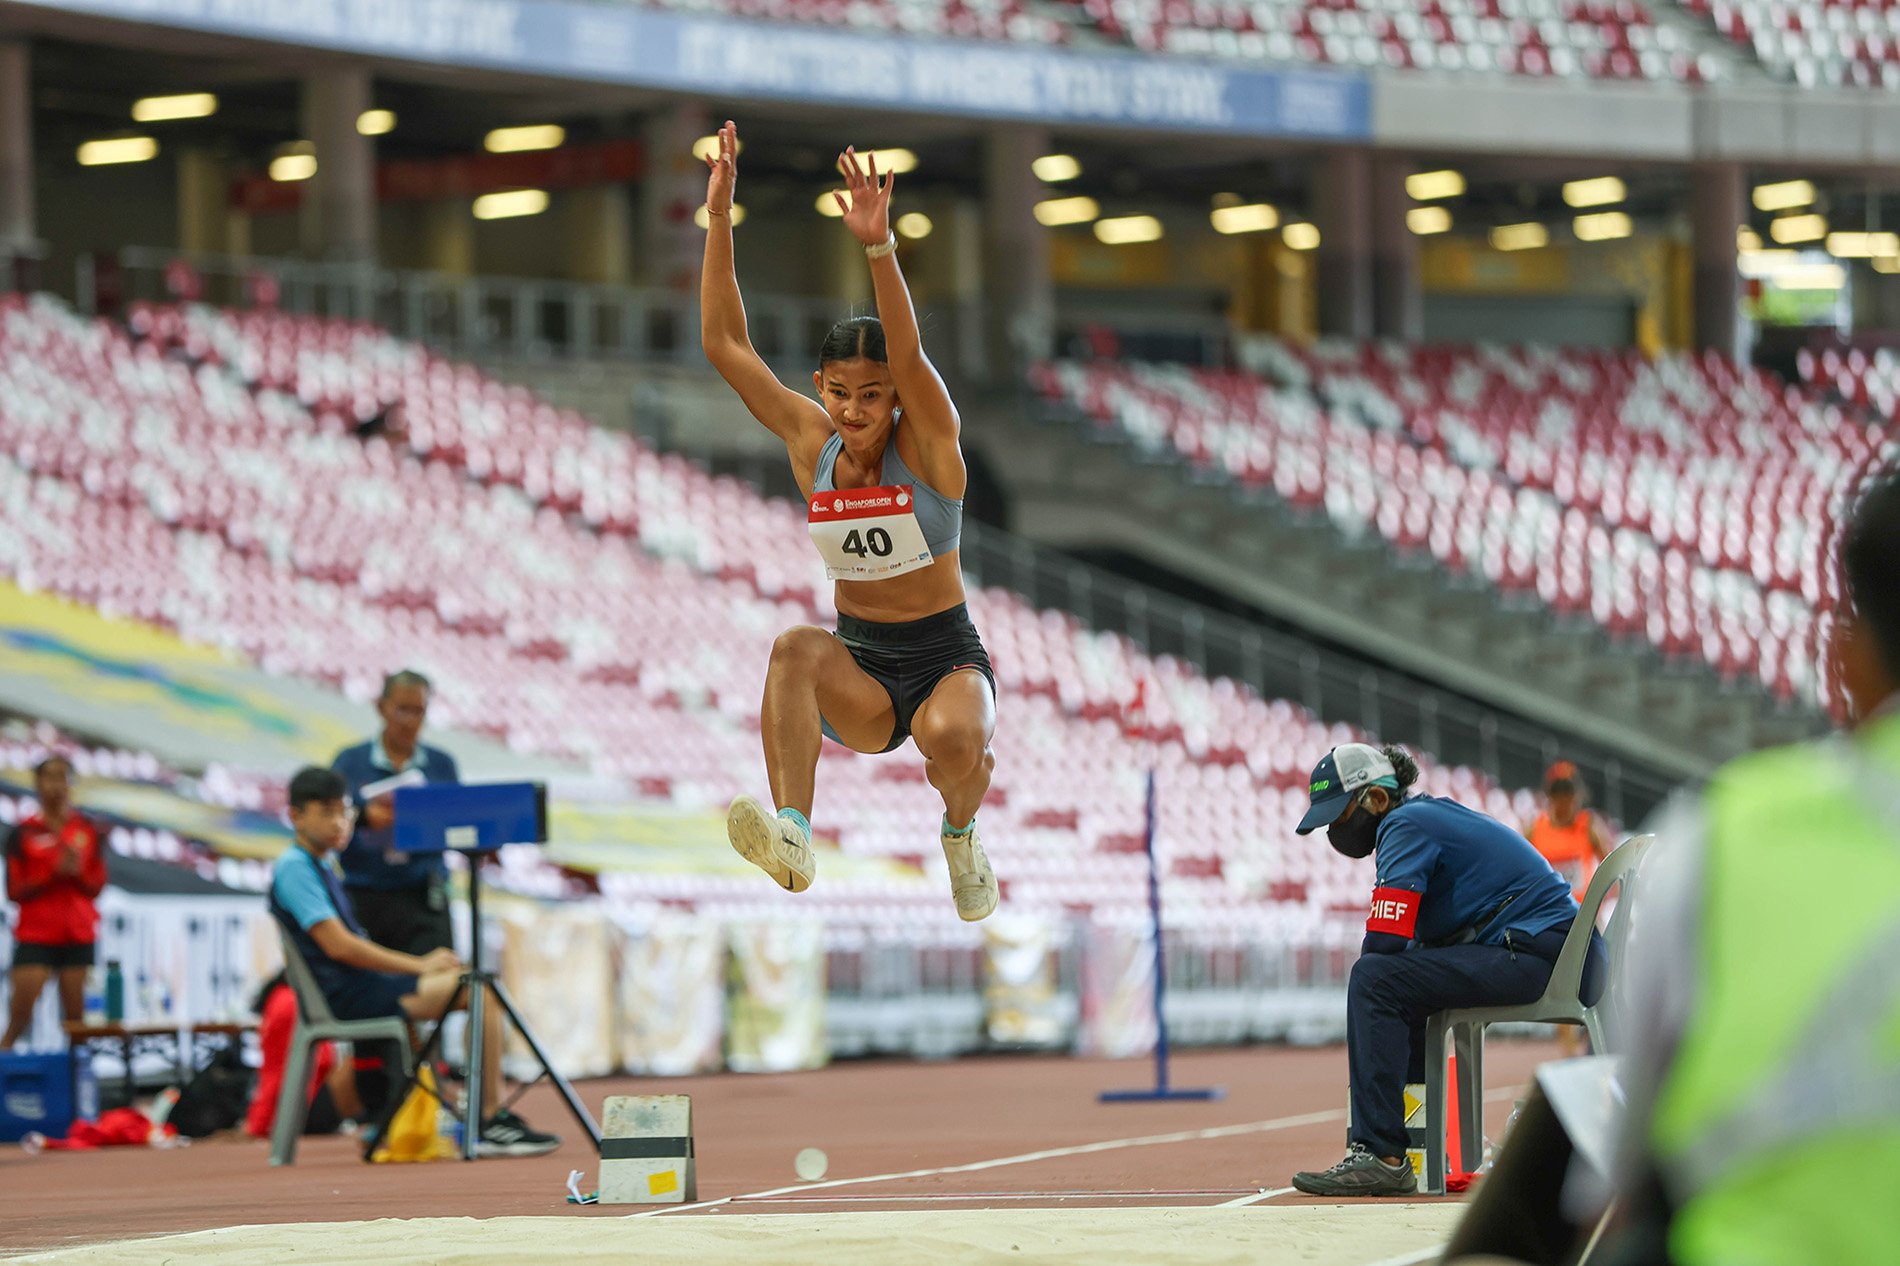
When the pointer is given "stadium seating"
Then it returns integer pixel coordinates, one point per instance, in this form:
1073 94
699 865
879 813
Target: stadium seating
1863 376
1562 39
1604 484
576 594
1569 39
967 19
22 751
1815 43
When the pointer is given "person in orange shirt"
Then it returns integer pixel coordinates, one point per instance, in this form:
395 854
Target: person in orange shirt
1573 840
56 869
1570 837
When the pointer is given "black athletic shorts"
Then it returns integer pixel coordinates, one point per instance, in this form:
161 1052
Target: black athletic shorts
909 659
76 954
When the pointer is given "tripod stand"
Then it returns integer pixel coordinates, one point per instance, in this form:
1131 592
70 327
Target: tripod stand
475 986
511 812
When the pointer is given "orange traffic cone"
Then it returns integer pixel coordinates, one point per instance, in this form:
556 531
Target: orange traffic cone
1453 1150
1456 1179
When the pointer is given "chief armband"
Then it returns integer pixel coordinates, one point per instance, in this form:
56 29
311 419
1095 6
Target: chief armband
1394 912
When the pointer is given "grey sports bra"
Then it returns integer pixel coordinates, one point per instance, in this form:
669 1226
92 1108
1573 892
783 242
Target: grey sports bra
940 517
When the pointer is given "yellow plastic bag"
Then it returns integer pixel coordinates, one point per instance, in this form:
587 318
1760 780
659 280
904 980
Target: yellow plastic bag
412 1134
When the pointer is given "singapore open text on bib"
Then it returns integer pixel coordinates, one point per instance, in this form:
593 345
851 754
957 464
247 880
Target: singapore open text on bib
868 533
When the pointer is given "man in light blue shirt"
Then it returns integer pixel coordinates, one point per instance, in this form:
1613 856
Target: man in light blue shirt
360 979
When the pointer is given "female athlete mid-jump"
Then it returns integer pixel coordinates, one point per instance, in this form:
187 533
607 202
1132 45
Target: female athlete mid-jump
878 460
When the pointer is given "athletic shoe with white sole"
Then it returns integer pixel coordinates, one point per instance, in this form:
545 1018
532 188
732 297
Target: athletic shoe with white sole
972 882
1360 1174
506 1134
773 844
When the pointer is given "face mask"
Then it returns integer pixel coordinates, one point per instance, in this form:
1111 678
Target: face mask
1354 835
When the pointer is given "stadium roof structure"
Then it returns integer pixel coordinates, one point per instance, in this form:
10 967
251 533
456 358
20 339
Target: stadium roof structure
627 56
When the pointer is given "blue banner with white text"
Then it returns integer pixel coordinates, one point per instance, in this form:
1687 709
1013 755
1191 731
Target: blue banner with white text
724 57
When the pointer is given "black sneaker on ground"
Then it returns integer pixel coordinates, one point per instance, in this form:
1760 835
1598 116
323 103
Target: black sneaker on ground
508 1135
1360 1174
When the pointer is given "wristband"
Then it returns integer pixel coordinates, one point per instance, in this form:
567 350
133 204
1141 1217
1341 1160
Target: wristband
882 249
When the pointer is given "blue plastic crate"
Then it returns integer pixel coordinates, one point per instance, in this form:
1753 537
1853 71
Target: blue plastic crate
45 1094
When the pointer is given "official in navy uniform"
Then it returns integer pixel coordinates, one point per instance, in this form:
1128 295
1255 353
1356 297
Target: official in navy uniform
1465 913
401 901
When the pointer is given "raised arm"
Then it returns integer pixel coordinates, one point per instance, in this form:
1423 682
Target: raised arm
867 214
722 327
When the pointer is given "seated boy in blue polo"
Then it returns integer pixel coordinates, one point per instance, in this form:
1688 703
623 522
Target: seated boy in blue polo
363 980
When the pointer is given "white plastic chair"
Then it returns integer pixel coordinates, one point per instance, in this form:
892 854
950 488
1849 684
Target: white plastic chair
316 1023
1562 1003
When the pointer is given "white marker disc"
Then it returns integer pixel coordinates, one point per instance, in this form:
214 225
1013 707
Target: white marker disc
810 1164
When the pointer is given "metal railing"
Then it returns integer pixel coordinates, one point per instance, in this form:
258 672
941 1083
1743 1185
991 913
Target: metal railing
483 317
1333 685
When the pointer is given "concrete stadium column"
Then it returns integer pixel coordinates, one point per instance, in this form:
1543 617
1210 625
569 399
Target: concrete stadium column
847 275
339 210
1342 211
1398 306
204 208
1717 210
17 225
448 237
671 245
958 243
599 234
1017 283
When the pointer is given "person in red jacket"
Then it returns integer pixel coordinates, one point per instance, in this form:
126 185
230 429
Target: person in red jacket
56 868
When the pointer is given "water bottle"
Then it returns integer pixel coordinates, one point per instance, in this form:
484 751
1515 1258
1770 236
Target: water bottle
95 1006
115 992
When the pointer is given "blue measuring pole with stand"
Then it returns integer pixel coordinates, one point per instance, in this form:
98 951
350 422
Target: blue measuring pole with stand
1161 1089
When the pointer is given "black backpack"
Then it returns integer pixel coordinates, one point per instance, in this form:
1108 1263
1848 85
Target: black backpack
217 1098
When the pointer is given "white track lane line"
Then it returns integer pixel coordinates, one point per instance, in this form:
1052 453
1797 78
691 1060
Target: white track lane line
1083 1149
1255 1198
1051 1196
1024 1158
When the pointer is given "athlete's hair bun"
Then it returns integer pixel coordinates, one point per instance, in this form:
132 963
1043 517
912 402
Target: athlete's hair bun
1403 766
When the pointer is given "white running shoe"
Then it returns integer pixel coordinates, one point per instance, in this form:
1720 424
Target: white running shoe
972 882
774 844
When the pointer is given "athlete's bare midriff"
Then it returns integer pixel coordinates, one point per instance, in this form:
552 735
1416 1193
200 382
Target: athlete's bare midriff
912 596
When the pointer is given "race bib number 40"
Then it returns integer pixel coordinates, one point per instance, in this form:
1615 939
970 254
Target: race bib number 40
868 533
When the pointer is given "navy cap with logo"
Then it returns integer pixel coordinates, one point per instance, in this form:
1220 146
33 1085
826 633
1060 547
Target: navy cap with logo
1340 775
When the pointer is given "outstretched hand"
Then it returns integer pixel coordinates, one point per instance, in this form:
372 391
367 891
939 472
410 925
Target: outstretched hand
723 170
867 212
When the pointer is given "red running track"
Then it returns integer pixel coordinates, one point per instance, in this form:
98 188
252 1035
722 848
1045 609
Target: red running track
1284 1110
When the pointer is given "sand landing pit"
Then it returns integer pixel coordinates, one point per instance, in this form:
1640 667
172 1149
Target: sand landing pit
1310 1235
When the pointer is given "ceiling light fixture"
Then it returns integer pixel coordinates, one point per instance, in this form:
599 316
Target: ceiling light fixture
515 140
1429 186
511 203
1058 211
1245 217
186 105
